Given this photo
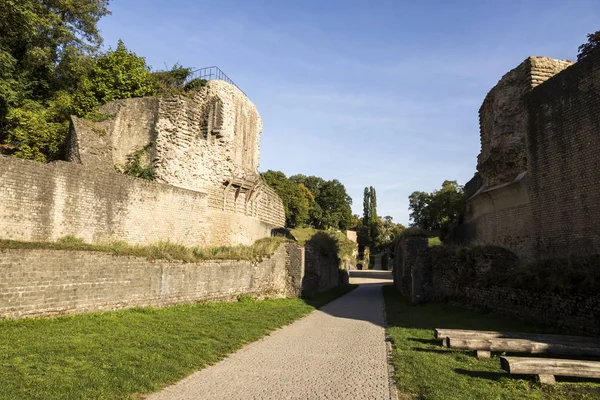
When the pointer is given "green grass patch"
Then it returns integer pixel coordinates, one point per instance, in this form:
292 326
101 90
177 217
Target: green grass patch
434 241
120 354
159 250
424 370
329 241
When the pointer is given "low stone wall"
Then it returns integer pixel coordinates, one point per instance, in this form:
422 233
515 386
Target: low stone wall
52 282
577 312
447 277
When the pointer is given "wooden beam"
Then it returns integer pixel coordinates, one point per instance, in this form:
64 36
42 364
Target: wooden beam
545 367
553 346
441 333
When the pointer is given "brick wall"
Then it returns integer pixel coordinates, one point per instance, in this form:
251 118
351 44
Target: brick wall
542 122
564 161
322 271
407 268
448 277
51 282
43 202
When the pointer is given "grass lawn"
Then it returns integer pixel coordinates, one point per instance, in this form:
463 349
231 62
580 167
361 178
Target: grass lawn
114 355
424 370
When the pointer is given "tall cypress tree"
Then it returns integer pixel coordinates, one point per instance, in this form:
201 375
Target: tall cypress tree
366 207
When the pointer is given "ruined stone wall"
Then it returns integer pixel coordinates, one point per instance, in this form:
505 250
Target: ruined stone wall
407 269
43 202
502 216
51 282
501 210
564 160
206 141
208 138
322 271
503 120
461 279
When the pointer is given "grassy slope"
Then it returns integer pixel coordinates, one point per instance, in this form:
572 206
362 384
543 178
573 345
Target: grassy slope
113 355
427 371
159 250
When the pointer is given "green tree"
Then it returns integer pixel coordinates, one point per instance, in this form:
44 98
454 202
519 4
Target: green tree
332 206
374 220
117 74
389 231
588 48
370 231
294 197
45 49
336 205
313 184
37 42
418 204
440 209
366 207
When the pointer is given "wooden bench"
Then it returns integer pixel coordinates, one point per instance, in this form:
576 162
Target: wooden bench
547 368
554 346
484 342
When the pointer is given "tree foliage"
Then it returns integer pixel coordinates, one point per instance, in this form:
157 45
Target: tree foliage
51 68
440 209
117 74
45 49
312 201
294 198
588 48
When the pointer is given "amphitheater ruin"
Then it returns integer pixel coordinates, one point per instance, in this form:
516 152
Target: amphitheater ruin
203 150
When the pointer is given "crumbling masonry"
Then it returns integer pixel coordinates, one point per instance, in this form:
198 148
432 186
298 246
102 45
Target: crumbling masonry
203 149
538 182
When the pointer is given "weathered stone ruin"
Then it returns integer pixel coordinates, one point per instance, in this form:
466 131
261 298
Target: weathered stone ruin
203 149
536 190
503 120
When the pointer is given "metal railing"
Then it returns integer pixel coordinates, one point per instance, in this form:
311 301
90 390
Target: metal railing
212 73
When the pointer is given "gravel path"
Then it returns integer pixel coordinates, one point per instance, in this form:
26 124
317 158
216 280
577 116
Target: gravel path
338 352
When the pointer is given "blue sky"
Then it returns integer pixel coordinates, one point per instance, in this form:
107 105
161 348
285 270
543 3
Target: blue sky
372 93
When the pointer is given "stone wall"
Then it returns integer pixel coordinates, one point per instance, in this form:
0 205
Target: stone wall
540 131
207 141
323 271
462 279
407 268
564 160
205 146
52 282
43 202
502 215
503 120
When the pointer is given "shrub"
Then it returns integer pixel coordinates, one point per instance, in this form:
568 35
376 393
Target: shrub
138 164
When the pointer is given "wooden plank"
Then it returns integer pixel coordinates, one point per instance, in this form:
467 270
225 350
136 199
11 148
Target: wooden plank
550 366
558 347
441 333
